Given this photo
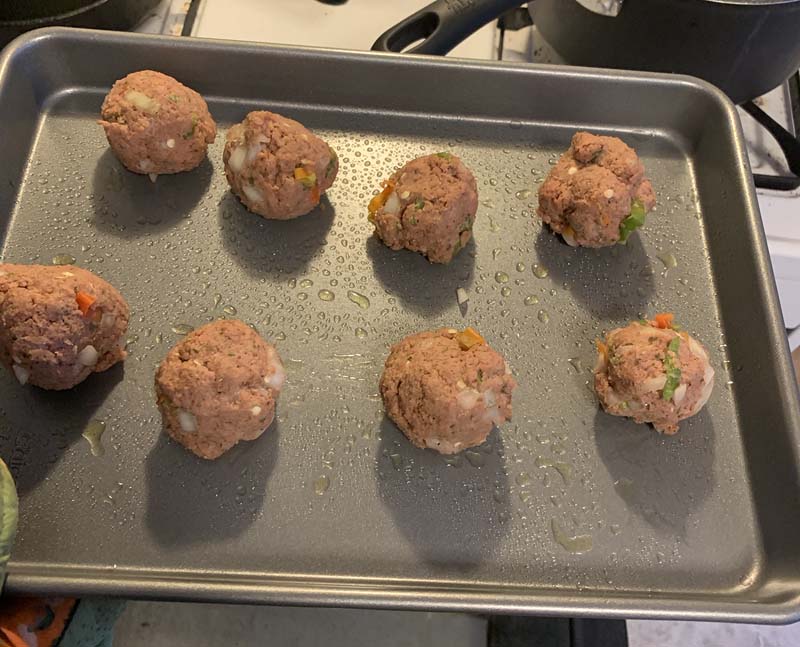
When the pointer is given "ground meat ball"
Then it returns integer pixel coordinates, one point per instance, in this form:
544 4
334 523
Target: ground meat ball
59 324
276 166
653 374
595 186
218 386
445 389
428 206
155 125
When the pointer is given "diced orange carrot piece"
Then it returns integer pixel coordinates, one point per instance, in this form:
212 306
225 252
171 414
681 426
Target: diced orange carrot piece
469 337
664 320
84 301
601 348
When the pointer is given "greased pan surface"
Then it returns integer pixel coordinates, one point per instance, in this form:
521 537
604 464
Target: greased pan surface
332 506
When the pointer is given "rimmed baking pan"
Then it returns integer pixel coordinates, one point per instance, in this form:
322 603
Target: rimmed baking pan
565 511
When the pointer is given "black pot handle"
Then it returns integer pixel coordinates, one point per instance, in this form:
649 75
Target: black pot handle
442 25
790 145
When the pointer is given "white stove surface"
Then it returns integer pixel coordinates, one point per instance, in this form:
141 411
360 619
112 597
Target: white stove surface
352 25
357 23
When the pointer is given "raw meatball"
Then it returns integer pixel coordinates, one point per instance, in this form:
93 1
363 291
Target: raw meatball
217 386
653 373
428 206
276 166
155 125
59 324
445 389
596 194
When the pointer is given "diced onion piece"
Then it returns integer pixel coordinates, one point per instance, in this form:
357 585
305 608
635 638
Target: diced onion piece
654 383
405 195
392 204
572 170
708 374
22 373
252 152
236 160
278 377
461 296
379 200
489 398
697 350
170 143
252 193
569 236
600 363
493 414
255 147
256 410
143 102
708 387
153 176
467 398
611 397
187 421
88 356
609 193
107 320
679 395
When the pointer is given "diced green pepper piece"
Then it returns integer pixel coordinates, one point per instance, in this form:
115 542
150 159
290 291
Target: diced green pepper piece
331 162
309 181
190 133
632 222
444 155
419 203
673 372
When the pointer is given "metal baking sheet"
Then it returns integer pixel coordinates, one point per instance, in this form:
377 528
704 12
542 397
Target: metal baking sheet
332 506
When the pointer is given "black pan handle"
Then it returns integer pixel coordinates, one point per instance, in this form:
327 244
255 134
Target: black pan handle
442 25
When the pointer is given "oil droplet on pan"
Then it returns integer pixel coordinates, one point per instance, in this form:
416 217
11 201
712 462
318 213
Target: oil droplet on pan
531 300
539 271
669 260
523 194
501 277
359 299
94 433
63 259
326 295
182 329
576 544
229 310
321 485
476 459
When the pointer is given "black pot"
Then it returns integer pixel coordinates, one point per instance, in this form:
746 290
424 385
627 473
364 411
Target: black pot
19 16
744 47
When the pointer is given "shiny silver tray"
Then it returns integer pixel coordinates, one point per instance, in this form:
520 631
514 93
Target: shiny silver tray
565 511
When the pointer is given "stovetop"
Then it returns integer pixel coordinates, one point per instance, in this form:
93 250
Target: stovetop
354 24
